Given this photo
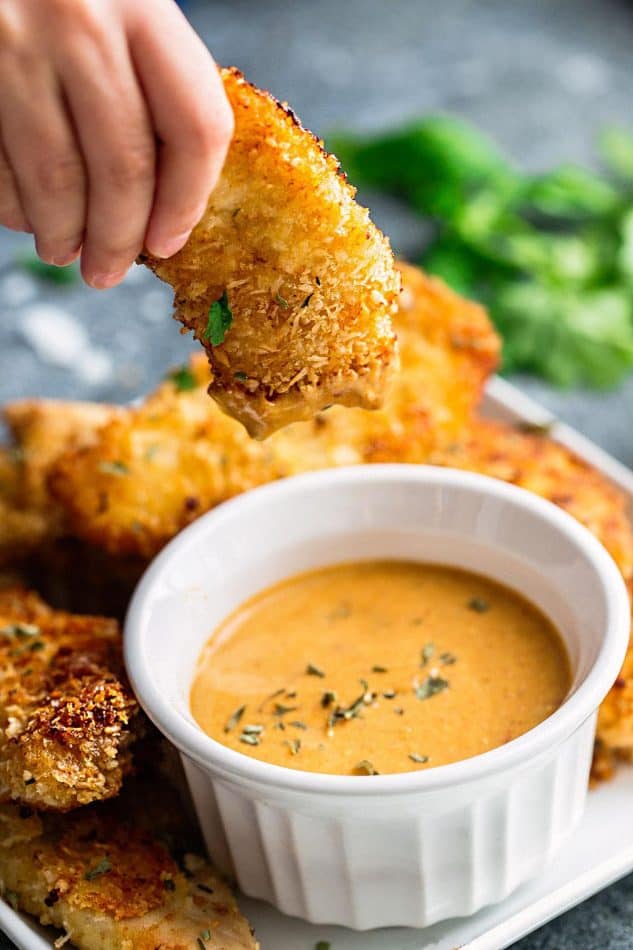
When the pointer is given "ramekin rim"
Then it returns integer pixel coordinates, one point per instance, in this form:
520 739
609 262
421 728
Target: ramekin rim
215 757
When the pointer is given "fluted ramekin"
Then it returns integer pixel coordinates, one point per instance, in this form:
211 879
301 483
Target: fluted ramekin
388 850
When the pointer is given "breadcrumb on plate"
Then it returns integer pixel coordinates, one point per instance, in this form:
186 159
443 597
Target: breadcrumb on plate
285 281
67 714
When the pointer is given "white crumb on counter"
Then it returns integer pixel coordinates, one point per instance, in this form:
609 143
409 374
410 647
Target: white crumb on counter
17 289
59 339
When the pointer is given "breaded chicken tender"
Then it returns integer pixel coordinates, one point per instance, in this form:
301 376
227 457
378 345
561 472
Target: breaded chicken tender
41 430
539 464
116 876
155 468
67 714
285 281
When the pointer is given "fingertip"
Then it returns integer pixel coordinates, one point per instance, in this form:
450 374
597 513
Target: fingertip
167 246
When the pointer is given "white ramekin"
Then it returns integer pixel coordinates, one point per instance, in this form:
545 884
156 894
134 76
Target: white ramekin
373 851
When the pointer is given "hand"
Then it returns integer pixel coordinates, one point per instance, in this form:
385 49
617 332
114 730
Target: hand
114 127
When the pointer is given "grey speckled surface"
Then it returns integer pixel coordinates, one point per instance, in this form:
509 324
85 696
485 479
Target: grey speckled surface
543 76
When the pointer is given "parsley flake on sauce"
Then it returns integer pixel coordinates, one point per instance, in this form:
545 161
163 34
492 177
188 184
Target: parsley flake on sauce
431 686
313 670
366 767
234 718
479 605
220 321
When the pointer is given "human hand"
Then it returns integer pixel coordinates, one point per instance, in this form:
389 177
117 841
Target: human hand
114 127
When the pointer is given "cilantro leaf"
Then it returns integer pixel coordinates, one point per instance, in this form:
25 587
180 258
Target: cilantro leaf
183 379
220 321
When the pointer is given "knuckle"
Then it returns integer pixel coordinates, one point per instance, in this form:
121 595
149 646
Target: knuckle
131 166
208 130
12 34
62 173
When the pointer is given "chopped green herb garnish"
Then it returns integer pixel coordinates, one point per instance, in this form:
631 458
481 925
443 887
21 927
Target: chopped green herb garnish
114 468
298 724
277 692
294 745
379 669
341 713
317 281
416 621
30 780
220 321
68 274
280 725
37 645
20 630
234 718
399 711
329 697
427 652
241 376
322 945
98 870
290 694
205 935
536 428
281 710
280 300
313 670
12 898
447 659
205 888
200 943
431 686
252 730
183 379
307 300
366 767
249 738
389 694
418 758
479 605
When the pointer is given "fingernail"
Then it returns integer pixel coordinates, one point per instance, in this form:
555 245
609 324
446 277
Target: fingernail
65 259
103 281
170 246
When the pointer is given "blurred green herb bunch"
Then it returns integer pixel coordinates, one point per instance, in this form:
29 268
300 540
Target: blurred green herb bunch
550 255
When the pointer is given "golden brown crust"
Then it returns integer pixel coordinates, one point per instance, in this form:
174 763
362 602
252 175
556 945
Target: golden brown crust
116 876
543 466
42 430
154 469
67 714
310 281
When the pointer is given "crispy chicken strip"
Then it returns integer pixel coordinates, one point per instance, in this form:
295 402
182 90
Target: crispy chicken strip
67 714
117 876
539 464
41 430
286 281
155 468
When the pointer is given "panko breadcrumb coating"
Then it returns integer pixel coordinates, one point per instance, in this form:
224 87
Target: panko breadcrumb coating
155 468
539 464
309 280
118 876
41 430
67 714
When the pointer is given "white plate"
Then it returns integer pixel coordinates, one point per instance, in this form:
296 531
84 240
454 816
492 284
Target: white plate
600 852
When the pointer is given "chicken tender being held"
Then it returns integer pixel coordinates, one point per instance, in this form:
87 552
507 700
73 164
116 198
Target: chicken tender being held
285 281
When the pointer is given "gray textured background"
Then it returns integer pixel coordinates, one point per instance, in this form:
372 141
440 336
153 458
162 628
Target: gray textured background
543 76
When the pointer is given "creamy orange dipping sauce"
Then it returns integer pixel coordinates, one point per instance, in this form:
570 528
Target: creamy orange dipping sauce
379 667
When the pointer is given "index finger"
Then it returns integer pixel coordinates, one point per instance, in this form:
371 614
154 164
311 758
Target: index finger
192 119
